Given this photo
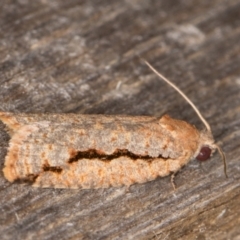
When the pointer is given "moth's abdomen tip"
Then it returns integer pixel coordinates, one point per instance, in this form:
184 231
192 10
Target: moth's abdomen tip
204 154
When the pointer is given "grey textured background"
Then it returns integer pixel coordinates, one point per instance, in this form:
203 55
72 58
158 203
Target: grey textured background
82 57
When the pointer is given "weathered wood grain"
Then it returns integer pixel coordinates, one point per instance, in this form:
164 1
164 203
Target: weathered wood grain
82 57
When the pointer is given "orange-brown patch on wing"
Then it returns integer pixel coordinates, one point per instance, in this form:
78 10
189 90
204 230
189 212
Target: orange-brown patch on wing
43 155
98 126
50 147
81 132
72 152
10 121
11 169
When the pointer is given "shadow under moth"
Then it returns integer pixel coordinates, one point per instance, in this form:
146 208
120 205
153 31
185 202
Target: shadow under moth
99 151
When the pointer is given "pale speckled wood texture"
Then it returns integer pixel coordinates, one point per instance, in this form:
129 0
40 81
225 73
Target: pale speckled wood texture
81 57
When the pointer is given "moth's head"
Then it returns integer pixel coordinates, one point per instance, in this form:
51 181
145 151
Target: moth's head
207 147
204 153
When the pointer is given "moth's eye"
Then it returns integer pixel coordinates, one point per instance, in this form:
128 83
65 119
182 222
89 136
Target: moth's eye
204 153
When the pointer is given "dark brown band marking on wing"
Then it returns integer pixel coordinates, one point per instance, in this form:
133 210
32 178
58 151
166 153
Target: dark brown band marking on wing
94 154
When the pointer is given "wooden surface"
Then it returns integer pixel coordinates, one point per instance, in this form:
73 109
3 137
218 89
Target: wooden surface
82 57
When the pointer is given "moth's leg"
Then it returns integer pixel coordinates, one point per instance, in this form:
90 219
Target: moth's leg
172 181
127 189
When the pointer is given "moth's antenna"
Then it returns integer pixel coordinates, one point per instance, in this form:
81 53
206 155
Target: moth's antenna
182 94
194 108
223 158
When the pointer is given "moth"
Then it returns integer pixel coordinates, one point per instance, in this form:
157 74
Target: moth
98 151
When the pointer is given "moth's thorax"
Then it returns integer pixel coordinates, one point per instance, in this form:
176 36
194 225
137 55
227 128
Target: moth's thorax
188 137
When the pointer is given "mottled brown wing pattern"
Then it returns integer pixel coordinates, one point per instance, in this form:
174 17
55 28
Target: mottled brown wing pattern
96 151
